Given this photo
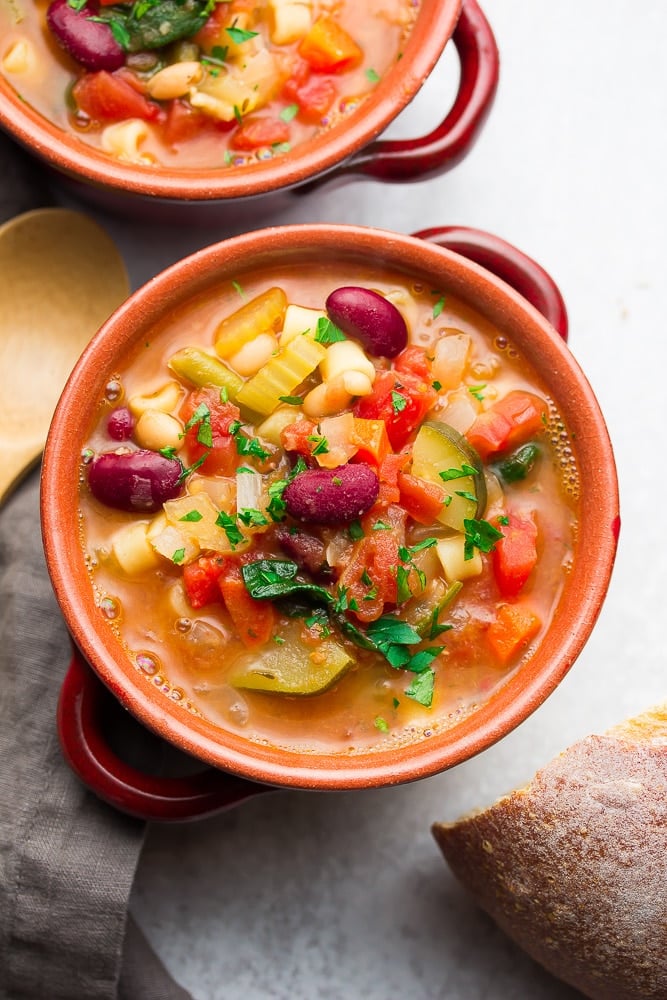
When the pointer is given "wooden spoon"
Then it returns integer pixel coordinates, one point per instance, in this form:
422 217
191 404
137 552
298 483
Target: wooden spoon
61 276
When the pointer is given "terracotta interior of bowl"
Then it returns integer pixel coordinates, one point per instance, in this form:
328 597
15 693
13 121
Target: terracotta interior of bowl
433 28
583 593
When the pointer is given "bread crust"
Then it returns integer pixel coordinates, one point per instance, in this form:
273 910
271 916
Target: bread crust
573 867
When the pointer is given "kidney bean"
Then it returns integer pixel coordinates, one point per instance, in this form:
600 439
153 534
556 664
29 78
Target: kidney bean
120 424
369 318
90 42
332 496
306 550
135 481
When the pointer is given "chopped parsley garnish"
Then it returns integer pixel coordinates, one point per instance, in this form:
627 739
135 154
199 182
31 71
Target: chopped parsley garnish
238 115
201 419
239 35
479 535
380 526
436 385
281 147
230 528
178 556
219 52
246 445
290 112
466 495
503 519
252 517
292 400
168 452
327 332
448 474
192 515
188 470
372 75
237 288
422 686
439 306
355 530
477 391
381 724
320 444
398 401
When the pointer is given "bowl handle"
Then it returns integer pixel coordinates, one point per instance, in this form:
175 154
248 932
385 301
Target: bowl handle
449 142
80 715
513 266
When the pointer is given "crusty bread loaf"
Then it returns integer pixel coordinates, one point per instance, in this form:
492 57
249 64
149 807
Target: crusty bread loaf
573 867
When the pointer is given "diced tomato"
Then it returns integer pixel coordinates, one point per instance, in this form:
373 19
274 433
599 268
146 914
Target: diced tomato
514 626
253 620
371 439
422 500
401 400
370 575
211 33
512 420
106 97
415 360
514 556
200 579
221 454
257 132
299 73
315 98
328 47
295 437
388 473
183 122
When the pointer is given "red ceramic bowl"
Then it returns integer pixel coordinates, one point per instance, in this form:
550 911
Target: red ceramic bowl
584 591
349 149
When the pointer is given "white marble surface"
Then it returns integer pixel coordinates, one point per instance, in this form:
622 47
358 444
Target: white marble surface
299 896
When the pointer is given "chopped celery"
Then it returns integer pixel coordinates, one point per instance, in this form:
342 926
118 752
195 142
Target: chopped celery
281 375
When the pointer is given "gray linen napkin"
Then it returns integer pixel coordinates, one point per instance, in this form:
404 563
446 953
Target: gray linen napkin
67 860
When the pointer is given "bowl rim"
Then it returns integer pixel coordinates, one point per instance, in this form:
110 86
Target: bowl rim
319 155
522 692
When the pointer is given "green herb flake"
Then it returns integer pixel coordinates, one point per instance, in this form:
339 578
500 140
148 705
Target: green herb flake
224 394
503 519
192 515
320 444
327 332
292 400
281 147
178 556
239 291
366 579
355 530
219 52
239 35
290 112
381 724
252 517
168 452
466 495
380 526
421 689
436 385
439 306
479 535
230 528
372 75
477 391
448 474
398 401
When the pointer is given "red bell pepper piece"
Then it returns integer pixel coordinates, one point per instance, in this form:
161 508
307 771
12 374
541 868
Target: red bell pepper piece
511 421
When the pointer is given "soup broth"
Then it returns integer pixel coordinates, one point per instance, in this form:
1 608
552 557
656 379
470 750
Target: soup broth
237 83
352 548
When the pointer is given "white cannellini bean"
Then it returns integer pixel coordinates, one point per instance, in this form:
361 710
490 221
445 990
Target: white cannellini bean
175 80
166 398
357 383
156 429
326 399
250 358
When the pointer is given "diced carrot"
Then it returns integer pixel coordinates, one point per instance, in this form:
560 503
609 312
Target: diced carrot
253 620
423 501
513 628
200 579
512 420
328 47
514 556
372 440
